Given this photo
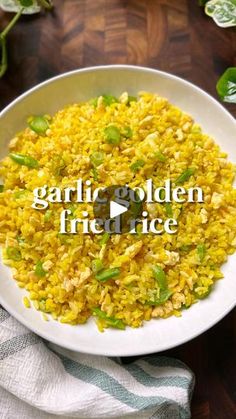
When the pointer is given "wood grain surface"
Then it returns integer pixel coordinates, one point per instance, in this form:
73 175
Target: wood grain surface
173 36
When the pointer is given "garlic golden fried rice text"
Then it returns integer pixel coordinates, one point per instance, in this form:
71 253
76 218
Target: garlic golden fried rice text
120 279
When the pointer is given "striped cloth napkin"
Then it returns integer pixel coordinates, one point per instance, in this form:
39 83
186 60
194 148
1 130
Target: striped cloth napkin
37 382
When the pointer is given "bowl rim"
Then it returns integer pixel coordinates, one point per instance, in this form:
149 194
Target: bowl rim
58 341
113 67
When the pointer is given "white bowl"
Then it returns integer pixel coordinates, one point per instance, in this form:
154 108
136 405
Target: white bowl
155 335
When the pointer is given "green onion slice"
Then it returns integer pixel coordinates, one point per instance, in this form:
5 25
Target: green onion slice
127 132
39 271
185 175
109 100
107 274
135 167
104 239
169 211
47 216
160 276
97 158
26 3
160 156
24 160
94 173
13 253
201 250
39 124
112 134
164 295
111 321
97 265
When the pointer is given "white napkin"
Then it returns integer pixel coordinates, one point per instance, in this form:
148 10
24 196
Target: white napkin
36 382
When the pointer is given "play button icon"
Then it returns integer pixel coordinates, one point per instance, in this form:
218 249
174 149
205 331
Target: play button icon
116 207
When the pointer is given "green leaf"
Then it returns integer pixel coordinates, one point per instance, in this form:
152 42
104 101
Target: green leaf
30 6
26 3
223 12
226 86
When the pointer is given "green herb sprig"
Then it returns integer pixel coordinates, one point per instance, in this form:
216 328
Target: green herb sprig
23 5
223 12
226 86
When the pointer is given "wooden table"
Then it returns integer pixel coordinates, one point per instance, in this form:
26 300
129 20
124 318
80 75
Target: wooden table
174 36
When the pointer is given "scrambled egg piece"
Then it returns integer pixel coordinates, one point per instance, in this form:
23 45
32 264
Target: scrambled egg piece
216 200
172 258
203 215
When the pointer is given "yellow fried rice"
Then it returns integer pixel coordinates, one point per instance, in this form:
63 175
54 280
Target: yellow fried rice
69 290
